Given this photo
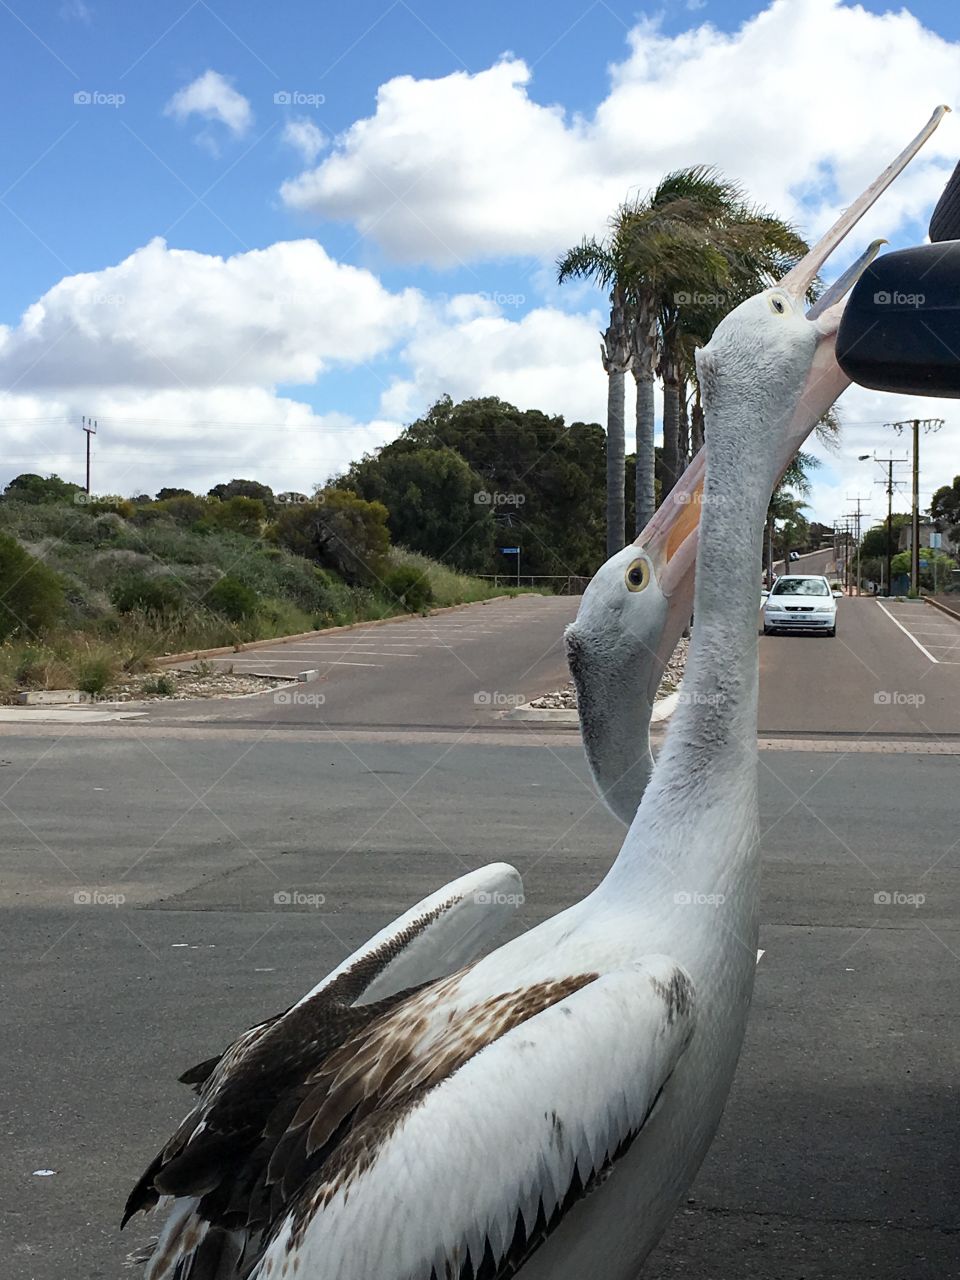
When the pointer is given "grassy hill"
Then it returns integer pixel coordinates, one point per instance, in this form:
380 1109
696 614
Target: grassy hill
90 591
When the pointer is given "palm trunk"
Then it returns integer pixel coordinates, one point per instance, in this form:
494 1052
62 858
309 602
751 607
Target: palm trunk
671 427
696 424
616 356
646 494
769 549
683 428
615 462
644 361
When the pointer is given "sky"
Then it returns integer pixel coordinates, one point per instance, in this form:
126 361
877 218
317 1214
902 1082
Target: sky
258 239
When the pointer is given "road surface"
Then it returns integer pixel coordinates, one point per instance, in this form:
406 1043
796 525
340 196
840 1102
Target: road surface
838 1153
457 667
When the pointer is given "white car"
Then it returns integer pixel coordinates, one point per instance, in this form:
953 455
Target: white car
800 602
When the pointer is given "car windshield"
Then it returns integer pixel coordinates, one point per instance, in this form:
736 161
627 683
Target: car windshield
793 586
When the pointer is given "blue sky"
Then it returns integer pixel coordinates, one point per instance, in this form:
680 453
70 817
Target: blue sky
504 132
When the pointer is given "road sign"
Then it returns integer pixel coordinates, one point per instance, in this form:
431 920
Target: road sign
510 551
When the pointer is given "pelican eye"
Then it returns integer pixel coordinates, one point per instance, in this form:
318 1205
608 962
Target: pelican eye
637 576
777 304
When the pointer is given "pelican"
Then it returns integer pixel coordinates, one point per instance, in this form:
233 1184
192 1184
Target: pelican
541 1110
619 644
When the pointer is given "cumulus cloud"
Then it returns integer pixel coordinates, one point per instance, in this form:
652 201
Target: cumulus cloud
176 318
803 104
305 137
212 97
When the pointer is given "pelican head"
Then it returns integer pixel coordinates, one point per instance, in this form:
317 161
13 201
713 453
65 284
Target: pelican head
782 351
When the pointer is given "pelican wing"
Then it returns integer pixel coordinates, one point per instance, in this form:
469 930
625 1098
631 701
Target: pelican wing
239 1088
463 1164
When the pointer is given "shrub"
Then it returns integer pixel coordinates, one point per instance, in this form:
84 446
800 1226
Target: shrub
95 672
31 594
410 588
152 595
163 686
339 531
232 599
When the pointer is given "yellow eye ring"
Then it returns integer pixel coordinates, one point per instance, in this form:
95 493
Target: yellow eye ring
637 576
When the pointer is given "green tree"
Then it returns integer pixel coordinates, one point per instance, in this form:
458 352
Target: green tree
545 480
437 503
945 509
874 541
40 489
31 594
244 489
239 515
338 531
164 494
936 567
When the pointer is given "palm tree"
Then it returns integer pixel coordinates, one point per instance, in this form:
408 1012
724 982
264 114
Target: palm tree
787 501
601 262
725 250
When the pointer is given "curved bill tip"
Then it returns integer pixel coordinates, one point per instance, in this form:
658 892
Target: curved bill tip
845 282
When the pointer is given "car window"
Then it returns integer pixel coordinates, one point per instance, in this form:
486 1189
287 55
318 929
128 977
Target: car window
794 586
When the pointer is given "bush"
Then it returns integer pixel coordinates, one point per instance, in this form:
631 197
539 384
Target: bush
95 672
151 595
410 588
31 594
232 599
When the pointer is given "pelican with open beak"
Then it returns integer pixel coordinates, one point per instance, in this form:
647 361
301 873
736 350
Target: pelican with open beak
638 604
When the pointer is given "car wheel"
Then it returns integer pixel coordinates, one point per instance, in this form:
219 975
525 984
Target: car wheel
768 631
832 631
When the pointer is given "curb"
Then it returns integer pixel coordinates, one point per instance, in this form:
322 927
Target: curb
196 655
663 709
951 613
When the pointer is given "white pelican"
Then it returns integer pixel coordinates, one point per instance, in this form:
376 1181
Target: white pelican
619 644
541 1111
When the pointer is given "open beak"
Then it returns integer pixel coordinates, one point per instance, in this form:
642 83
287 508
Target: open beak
670 537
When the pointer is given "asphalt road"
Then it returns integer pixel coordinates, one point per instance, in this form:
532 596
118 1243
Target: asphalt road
892 669
838 1155
457 667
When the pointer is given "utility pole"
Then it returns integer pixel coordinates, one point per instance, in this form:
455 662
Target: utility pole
928 424
90 427
855 515
889 463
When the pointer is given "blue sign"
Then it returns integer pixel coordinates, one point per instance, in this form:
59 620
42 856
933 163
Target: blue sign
924 564
510 551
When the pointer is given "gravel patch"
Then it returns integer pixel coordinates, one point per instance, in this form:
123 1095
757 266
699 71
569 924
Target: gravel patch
566 699
194 682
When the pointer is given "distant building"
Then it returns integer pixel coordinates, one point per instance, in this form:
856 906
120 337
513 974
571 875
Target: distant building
929 537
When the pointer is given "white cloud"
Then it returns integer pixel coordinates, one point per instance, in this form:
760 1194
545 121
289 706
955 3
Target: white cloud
176 318
803 104
306 137
212 97
190 438
864 415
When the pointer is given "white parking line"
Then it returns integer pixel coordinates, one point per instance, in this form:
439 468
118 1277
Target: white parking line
907 633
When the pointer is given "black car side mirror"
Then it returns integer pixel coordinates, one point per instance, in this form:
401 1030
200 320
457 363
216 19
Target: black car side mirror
901 326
